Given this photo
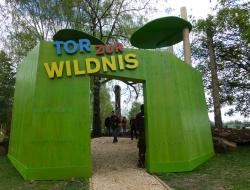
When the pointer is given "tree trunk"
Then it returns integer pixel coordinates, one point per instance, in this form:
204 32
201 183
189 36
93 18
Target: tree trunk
214 80
117 92
96 107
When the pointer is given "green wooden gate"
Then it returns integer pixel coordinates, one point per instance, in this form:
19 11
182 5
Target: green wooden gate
50 135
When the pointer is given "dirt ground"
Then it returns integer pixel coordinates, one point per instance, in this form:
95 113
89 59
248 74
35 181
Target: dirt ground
115 167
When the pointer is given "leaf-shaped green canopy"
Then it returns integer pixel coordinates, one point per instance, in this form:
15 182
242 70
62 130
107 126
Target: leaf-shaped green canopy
161 32
71 34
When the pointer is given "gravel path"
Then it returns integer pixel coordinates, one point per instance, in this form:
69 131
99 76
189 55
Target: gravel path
115 167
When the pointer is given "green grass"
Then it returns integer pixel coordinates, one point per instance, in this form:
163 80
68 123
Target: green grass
230 171
10 179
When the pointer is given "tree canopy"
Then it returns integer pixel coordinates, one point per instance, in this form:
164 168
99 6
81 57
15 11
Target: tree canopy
135 109
32 20
6 87
231 36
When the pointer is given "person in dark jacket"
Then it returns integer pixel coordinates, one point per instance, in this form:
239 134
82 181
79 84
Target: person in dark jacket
141 142
133 128
114 126
108 125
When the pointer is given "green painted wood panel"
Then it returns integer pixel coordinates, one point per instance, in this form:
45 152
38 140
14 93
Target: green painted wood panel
50 136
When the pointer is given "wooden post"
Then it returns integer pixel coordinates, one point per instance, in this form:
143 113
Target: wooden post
186 43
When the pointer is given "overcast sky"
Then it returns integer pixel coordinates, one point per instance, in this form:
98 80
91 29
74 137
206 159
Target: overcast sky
196 8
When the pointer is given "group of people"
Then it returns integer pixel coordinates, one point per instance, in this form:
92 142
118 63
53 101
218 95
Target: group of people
137 129
114 122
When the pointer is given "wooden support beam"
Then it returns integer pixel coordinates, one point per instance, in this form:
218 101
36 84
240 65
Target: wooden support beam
186 43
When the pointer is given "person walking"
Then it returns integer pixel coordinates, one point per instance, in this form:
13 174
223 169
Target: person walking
124 125
133 130
115 126
108 125
141 142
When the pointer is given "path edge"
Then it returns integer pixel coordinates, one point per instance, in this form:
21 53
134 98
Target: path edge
162 182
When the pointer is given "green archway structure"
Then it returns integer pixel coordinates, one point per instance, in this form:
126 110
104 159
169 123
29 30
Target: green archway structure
50 135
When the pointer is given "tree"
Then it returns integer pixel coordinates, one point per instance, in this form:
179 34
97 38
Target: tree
117 92
108 20
7 81
208 29
18 44
229 37
135 109
233 51
214 76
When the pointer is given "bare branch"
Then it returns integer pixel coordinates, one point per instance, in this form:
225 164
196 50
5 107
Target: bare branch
114 23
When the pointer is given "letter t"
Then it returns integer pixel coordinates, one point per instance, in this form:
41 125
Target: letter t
58 44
